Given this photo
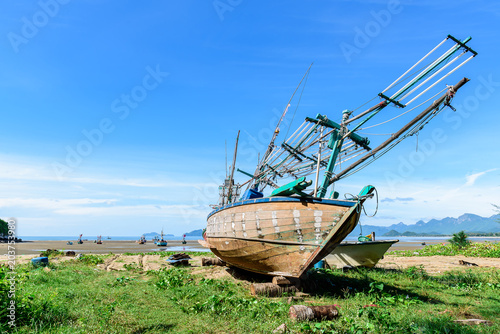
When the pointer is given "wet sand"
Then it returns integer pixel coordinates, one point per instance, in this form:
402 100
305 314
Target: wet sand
107 246
120 247
130 246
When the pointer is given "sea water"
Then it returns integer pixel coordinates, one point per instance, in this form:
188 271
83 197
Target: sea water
94 237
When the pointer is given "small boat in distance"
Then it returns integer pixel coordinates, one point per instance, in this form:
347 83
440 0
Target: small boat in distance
162 242
302 220
358 253
142 240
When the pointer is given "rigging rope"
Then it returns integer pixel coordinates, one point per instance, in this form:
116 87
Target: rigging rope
372 126
297 107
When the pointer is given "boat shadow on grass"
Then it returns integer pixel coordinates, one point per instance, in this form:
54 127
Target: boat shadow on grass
335 283
158 328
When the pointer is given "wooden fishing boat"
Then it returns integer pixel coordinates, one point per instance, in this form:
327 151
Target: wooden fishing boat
288 231
358 254
142 240
161 242
280 236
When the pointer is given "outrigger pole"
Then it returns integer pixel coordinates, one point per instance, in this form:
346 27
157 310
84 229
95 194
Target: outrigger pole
429 72
444 99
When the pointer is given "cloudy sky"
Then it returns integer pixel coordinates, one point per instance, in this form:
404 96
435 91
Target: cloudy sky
115 114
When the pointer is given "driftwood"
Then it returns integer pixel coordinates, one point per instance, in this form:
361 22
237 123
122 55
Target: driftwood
270 289
474 322
280 280
179 256
179 259
209 261
304 313
465 263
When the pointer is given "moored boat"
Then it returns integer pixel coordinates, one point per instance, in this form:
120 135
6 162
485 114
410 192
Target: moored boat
161 242
358 254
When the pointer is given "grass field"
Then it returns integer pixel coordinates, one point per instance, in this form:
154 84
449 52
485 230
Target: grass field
78 297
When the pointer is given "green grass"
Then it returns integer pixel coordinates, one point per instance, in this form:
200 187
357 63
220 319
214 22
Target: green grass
77 297
168 253
476 249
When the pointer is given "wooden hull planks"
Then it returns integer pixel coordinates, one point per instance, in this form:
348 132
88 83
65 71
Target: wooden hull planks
279 236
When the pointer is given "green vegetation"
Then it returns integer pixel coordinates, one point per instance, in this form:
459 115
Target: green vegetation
77 297
51 253
4 227
168 253
474 249
459 240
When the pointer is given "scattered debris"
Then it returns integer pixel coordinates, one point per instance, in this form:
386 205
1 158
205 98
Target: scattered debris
303 312
179 259
465 263
79 256
70 253
474 322
210 261
40 261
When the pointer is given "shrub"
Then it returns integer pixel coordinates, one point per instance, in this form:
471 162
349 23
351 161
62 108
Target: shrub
459 240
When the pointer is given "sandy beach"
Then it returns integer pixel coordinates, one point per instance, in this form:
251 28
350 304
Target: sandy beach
27 250
107 246
130 246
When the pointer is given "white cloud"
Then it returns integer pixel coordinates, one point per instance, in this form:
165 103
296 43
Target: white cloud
471 179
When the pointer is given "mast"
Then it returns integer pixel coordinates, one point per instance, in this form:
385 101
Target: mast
231 181
337 138
443 99
318 165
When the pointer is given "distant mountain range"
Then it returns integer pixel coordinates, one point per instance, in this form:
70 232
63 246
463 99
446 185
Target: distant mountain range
447 226
195 233
154 234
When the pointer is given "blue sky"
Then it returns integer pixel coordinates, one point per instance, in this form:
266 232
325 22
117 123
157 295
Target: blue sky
115 113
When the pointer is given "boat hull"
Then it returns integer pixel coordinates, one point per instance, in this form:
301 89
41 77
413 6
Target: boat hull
358 254
279 235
